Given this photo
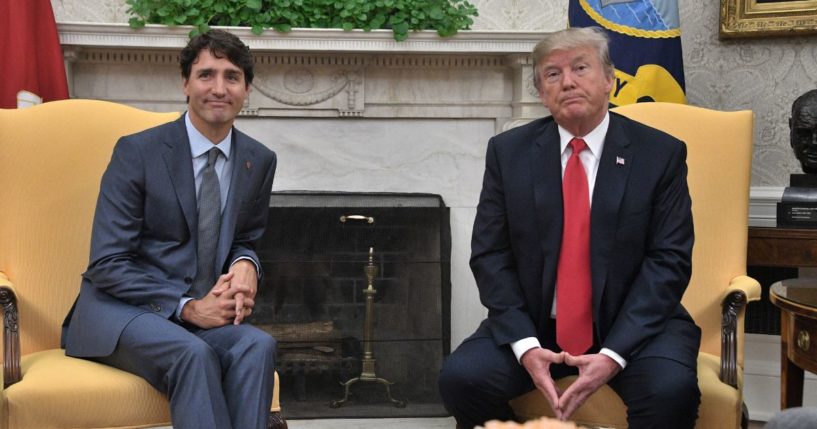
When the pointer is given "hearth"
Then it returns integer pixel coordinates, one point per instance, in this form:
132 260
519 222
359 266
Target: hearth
316 258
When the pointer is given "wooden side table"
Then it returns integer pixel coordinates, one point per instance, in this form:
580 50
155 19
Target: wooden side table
797 299
782 247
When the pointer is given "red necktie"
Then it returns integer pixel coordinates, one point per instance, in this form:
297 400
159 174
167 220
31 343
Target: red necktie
574 314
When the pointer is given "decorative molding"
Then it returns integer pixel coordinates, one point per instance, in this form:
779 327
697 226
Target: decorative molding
303 95
111 56
114 55
299 90
530 88
299 81
519 61
303 40
430 61
322 72
763 205
323 60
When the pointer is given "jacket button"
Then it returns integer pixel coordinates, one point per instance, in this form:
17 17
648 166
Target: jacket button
188 280
155 307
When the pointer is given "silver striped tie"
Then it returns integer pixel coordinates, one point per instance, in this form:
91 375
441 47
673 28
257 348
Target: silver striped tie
209 224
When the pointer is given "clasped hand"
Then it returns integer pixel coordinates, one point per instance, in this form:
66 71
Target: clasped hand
594 371
230 300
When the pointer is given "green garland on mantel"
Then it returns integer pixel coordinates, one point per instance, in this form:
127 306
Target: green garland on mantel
401 16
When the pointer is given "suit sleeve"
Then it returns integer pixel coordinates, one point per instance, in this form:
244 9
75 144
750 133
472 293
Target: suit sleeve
664 273
250 231
115 266
493 262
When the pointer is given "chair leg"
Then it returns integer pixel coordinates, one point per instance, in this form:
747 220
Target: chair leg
276 421
744 416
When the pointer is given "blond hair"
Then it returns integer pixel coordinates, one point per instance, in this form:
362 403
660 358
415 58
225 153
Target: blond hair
573 38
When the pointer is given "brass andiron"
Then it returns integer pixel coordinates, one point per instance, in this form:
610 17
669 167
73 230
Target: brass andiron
367 373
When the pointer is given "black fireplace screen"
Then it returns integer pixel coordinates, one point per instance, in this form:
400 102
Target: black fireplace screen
313 301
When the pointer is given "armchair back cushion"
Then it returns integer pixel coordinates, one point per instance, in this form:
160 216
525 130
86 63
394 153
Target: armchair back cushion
52 157
719 158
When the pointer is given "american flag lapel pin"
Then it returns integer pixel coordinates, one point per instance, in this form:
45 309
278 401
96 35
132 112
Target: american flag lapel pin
619 160
248 164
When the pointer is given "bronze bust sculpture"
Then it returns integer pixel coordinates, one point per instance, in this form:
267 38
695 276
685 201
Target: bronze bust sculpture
803 126
798 206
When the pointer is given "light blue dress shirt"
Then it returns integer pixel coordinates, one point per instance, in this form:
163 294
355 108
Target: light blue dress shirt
199 146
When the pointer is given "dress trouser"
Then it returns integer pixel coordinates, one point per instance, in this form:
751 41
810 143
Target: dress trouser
479 378
217 378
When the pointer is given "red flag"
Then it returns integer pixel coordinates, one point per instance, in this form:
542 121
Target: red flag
30 51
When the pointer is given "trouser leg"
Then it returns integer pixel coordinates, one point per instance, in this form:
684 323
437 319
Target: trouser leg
177 363
659 393
247 357
478 379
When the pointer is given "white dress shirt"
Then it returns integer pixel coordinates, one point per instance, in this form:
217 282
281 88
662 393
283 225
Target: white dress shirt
590 161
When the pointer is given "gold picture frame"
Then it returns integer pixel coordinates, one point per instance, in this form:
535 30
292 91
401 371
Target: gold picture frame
753 18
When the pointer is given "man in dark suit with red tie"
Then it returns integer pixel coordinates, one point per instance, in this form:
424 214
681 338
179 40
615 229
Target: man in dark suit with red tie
581 250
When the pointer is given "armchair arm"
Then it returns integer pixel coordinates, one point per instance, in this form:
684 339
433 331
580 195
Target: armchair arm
11 334
741 290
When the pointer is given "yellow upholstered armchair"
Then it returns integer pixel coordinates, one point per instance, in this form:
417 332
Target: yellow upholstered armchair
51 160
719 158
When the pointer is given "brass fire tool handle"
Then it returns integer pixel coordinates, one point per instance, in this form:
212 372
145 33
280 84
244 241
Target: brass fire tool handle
345 218
368 372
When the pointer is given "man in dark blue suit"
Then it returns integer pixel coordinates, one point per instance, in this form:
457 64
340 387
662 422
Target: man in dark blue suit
587 285
173 270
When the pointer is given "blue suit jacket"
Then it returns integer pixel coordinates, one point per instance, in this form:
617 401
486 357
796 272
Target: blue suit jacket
143 245
641 239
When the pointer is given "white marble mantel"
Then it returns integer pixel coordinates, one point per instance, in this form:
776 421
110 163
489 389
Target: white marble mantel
304 40
346 110
322 72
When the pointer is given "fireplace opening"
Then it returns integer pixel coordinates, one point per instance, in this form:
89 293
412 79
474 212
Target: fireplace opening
323 255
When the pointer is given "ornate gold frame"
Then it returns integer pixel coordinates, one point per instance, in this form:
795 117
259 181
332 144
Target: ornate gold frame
748 18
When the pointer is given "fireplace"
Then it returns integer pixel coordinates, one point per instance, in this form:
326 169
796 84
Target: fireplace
316 253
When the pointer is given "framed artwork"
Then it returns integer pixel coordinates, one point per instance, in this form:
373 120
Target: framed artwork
761 18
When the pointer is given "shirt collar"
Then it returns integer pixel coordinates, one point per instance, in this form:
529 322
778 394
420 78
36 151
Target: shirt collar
199 144
594 139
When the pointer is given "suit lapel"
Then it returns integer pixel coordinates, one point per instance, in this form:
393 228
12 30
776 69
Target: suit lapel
179 164
611 182
547 191
242 169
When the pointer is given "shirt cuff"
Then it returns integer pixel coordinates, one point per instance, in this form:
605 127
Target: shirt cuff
182 302
257 268
614 356
520 347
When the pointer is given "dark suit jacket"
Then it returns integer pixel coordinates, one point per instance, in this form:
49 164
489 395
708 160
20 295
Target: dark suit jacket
641 239
143 245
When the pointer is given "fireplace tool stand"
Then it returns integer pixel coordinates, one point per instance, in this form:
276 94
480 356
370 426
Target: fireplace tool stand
367 373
